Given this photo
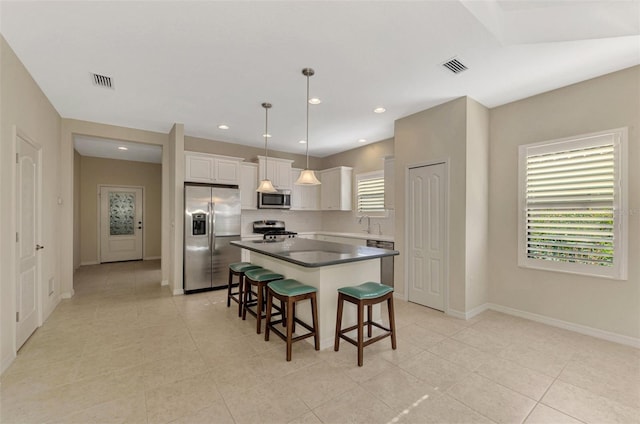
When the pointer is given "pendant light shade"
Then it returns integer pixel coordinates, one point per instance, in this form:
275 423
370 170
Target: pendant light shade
266 186
307 176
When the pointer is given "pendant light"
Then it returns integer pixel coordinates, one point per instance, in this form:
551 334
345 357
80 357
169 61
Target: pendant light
307 176
265 185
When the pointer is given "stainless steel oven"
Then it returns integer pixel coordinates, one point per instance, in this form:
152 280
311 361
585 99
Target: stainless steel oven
278 200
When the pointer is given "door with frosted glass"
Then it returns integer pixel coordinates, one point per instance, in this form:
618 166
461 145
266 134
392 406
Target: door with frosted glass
120 224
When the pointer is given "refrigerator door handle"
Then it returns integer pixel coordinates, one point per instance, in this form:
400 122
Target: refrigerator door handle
212 227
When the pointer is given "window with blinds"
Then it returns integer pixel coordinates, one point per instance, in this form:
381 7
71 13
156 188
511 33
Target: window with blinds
571 191
370 193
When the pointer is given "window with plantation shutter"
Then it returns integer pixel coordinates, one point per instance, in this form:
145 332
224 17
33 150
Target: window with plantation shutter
370 193
572 193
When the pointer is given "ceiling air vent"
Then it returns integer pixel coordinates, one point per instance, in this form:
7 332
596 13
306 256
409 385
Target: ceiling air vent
102 81
455 66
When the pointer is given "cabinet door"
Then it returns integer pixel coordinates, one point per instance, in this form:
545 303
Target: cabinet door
389 181
199 169
248 185
304 197
227 171
330 190
282 177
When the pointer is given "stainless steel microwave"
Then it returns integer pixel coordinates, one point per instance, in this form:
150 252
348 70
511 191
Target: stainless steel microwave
278 200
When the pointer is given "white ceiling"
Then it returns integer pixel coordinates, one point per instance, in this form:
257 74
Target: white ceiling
207 63
110 149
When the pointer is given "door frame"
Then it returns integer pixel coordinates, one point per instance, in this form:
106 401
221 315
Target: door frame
99 222
19 134
407 229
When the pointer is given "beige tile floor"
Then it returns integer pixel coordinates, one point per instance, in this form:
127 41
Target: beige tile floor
124 350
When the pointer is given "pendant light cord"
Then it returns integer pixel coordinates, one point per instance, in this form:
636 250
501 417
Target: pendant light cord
307 150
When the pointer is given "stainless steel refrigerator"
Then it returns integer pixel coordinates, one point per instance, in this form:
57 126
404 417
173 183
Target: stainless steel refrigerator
211 222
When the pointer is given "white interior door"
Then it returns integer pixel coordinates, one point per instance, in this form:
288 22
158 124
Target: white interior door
427 234
120 224
28 237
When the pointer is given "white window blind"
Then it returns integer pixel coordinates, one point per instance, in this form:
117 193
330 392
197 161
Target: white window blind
570 196
370 193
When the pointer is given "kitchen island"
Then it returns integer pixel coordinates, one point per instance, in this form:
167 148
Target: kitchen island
324 265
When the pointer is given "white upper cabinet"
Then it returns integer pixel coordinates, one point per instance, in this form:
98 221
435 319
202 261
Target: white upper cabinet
278 171
336 189
389 181
304 197
214 169
248 185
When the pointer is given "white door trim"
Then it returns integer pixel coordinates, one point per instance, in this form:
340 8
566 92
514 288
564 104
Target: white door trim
98 217
17 135
407 230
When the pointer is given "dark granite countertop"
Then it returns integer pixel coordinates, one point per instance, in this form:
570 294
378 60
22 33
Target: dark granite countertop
313 253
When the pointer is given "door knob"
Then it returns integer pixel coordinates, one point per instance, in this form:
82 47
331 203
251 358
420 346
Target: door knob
38 247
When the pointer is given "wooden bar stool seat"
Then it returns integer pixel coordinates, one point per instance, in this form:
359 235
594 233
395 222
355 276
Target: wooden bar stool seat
255 283
238 268
366 294
289 292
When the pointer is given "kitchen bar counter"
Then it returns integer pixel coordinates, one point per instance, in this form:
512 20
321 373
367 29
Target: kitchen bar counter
313 253
324 265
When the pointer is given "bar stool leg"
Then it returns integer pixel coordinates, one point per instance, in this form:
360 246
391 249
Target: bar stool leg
268 318
259 309
369 316
314 318
229 289
360 332
247 293
392 322
336 344
290 321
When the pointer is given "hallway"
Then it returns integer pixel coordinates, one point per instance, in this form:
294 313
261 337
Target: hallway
123 349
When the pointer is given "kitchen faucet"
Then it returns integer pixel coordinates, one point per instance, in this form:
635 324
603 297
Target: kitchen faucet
368 230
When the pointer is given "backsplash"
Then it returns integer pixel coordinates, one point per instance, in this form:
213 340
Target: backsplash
332 221
299 221
347 222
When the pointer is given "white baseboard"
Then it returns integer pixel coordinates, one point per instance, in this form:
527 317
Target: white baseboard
151 258
578 328
67 295
456 314
89 263
178 292
164 283
477 310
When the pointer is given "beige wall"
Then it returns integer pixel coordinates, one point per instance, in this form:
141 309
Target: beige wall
435 134
76 210
25 108
607 102
362 159
98 171
477 206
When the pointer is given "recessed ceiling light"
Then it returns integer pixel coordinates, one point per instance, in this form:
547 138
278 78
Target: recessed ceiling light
362 140
122 148
379 110
223 127
266 135
302 141
315 101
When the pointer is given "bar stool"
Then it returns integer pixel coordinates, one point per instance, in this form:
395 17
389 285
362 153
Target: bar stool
238 268
290 291
366 294
258 278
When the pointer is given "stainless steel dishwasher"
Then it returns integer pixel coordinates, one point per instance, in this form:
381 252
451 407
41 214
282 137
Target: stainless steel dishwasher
386 263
